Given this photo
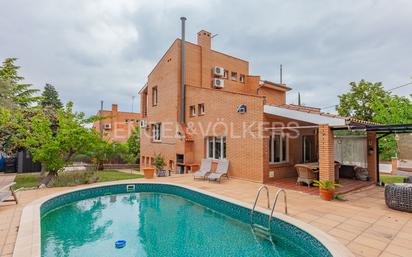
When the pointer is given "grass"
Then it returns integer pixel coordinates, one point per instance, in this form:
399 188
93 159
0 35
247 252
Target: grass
74 178
26 181
391 179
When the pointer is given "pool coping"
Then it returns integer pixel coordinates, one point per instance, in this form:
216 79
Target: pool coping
28 237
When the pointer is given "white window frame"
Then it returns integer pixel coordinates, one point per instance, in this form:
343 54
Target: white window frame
225 74
223 147
233 75
155 96
242 78
156 132
201 109
272 146
192 110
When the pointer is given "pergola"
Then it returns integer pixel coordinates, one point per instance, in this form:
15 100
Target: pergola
383 131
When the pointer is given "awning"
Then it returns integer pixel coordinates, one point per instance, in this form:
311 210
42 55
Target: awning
310 117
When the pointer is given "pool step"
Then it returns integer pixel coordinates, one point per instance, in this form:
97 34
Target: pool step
261 231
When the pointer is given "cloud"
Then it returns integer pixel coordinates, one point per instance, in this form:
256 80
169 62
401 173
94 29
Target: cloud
103 50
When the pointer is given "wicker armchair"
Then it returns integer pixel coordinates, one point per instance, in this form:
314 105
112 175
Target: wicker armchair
398 196
305 174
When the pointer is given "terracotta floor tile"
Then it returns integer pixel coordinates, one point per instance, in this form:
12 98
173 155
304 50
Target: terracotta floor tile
399 250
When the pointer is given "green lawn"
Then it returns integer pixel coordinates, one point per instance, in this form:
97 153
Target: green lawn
112 175
32 180
391 179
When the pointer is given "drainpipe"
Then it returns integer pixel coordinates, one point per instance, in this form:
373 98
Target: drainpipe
182 74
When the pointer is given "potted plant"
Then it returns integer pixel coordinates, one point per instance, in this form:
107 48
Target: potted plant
326 188
159 163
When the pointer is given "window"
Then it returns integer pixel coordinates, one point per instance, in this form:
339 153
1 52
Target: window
154 95
156 131
278 148
242 78
225 74
201 109
126 121
216 147
234 75
193 110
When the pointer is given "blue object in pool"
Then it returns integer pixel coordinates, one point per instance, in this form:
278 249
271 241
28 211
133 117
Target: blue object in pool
120 243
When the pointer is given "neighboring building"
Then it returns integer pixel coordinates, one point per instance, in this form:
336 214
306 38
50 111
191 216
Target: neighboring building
228 113
117 126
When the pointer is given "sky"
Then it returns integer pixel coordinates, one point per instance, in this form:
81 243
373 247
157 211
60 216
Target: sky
104 49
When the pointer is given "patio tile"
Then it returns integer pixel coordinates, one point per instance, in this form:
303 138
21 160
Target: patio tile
363 250
399 250
371 242
340 233
387 254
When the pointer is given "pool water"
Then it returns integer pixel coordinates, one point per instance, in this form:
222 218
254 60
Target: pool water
153 224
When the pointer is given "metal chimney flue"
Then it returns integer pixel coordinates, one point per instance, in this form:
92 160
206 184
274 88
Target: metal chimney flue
182 73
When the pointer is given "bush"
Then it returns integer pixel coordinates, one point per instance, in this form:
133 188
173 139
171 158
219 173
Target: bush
386 180
74 178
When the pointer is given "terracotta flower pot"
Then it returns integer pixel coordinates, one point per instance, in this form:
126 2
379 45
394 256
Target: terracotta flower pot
148 172
326 194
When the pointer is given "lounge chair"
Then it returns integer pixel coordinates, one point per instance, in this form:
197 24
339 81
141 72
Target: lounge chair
204 170
221 171
305 174
6 190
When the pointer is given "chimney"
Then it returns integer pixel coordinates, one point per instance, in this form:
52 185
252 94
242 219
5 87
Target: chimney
204 39
114 108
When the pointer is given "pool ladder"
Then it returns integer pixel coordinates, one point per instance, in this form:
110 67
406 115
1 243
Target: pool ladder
259 229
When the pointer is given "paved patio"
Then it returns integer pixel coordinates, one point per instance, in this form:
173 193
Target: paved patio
363 223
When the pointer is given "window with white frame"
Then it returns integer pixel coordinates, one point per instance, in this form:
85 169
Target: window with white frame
154 95
278 148
192 110
156 132
233 75
216 147
201 109
242 78
225 74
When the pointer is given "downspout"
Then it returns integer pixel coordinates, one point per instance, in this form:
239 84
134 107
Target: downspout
182 74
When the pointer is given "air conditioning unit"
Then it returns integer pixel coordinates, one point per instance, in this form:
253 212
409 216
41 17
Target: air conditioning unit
143 124
107 126
218 71
218 83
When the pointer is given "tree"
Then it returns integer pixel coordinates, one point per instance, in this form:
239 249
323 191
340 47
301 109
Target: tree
133 144
392 109
5 95
55 144
369 101
21 94
357 103
50 97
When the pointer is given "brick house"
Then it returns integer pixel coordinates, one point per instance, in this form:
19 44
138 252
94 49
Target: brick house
116 126
222 111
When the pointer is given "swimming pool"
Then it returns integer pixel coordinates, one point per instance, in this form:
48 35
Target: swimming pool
161 220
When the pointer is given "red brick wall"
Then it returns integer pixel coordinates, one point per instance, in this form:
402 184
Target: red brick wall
326 155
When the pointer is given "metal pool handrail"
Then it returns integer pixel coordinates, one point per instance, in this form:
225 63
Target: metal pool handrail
257 198
275 201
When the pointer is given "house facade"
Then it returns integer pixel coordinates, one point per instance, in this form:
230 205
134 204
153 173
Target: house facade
210 106
116 126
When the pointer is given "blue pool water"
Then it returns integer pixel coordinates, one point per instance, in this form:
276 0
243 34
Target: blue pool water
153 224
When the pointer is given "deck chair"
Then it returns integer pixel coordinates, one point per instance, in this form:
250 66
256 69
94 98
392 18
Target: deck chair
305 174
221 171
6 191
204 170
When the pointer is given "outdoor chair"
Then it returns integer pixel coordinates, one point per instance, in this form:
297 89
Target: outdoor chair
305 174
204 170
6 190
221 171
398 196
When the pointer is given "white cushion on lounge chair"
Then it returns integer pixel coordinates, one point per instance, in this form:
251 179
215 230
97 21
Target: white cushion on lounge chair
221 170
205 168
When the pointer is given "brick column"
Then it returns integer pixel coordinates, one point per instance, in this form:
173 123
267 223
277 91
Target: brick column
372 157
326 154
